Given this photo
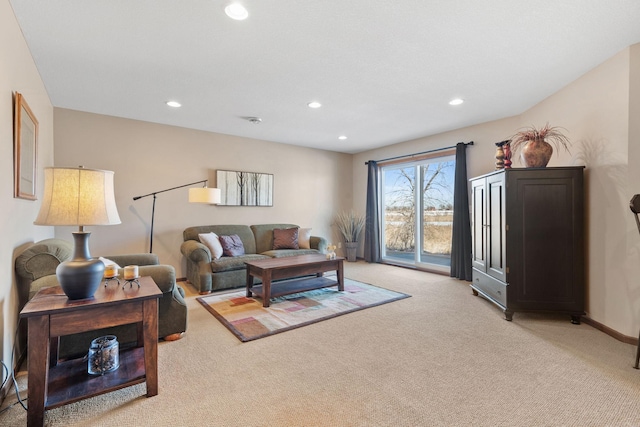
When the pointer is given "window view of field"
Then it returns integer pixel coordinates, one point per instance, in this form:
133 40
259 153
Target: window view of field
400 231
401 208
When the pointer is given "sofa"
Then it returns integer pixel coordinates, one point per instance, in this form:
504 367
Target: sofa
209 274
35 269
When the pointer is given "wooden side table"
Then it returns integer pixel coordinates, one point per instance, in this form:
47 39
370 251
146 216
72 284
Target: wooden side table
50 314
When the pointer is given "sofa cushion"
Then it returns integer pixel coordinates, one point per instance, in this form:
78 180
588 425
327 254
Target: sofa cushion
280 253
234 263
41 283
285 238
264 235
212 241
231 245
304 235
245 233
134 259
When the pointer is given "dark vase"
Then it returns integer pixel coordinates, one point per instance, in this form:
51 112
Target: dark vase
536 153
80 276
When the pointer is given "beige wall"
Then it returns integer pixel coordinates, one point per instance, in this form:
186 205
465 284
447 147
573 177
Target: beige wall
595 108
18 74
309 185
631 285
596 111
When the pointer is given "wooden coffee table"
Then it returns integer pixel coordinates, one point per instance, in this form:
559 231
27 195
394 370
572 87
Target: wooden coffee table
51 314
288 267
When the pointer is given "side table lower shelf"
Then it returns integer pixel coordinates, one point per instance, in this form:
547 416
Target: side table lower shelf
70 382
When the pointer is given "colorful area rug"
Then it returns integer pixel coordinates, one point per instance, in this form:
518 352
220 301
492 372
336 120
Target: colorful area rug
248 320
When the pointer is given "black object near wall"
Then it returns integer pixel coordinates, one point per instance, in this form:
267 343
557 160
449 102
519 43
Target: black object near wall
528 240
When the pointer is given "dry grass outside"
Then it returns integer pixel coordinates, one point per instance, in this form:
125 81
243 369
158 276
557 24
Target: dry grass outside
437 234
437 239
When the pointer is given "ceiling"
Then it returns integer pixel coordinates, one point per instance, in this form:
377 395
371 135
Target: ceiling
384 71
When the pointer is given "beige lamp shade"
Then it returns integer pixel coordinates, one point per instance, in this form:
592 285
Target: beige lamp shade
78 196
204 195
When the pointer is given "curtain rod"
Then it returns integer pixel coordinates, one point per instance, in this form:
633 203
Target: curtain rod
417 154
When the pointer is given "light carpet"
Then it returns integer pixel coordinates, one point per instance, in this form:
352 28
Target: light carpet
247 319
441 358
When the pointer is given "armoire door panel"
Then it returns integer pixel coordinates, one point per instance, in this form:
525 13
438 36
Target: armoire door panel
478 225
496 227
545 209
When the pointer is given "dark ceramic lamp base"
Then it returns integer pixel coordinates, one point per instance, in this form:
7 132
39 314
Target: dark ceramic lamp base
81 276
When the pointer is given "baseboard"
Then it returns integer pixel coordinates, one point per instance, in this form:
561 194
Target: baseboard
181 279
611 332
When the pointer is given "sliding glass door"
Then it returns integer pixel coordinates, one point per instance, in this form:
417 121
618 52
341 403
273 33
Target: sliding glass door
417 207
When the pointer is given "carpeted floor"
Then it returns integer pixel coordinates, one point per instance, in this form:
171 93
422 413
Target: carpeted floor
247 319
440 358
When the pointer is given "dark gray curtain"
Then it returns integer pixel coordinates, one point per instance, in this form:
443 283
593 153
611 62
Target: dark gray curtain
372 223
461 239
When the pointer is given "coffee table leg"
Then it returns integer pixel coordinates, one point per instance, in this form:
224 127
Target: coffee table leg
340 276
266 288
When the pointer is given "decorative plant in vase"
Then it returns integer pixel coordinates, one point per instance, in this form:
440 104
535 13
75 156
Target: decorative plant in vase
350 225
536 145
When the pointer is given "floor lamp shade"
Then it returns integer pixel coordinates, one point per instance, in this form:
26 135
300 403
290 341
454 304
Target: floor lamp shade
204 195
78 196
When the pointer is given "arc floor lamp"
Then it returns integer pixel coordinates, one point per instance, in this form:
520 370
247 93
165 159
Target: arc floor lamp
196 195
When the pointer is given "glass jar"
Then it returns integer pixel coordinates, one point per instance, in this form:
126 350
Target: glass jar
104 355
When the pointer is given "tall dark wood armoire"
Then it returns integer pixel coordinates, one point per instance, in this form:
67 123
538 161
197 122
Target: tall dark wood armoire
527 227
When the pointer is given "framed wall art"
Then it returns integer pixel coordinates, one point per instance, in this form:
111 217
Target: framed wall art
239 188
25 147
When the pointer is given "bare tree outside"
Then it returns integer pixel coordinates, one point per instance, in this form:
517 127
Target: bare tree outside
400 211
435 201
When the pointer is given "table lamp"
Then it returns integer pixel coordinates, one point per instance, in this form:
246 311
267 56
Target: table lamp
78 196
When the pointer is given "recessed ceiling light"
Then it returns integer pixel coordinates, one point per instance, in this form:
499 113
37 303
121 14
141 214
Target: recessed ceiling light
456 101
314 104
342 137
236 11
174 104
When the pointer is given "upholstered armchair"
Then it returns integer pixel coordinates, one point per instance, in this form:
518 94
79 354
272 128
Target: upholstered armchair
36 269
